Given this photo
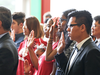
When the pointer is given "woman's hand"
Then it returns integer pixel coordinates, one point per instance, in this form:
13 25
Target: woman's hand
13 35
52 28
27 67
61 44
30 42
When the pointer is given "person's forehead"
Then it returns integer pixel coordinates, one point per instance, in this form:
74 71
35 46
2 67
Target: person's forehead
95 22
14 20
62 16
71 20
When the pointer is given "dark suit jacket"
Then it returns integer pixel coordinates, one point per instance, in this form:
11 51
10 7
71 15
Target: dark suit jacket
87 61
8 56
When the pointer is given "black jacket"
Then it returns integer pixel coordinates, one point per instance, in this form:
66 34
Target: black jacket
8 56
87 61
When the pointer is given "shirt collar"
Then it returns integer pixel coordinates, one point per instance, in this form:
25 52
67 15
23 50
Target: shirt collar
98 42
3 34
82 42
17 36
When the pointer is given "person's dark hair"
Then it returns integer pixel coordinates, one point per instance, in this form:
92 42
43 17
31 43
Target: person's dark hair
5 17
46 20
83 17
65 13
34 24
19 17
48 15
97 18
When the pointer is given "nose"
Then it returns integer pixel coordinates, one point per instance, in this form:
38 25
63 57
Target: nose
68 29
92 27
59 23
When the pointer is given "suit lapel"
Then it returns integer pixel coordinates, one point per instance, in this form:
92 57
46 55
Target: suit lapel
78 53
67 68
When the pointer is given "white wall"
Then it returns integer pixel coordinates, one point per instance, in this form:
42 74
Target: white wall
23 6
58 6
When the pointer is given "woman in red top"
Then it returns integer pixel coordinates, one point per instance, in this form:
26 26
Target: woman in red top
31 23
43 67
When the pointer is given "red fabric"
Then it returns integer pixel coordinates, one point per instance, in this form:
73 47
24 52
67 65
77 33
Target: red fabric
25 55
45 67
55 45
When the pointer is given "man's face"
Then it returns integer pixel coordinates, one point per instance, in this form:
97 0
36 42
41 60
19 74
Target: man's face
96 29
73 31
15 26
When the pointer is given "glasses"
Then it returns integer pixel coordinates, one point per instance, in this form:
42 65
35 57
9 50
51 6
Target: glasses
71 25
61 20
96 25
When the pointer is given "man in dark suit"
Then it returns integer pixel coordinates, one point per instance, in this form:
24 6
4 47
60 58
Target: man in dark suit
8 50
85 58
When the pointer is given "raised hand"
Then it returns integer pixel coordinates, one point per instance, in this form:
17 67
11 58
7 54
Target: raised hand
61 44
31 38
53 28
27 67
13 35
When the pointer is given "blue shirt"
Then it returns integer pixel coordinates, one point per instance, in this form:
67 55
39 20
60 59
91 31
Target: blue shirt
18 39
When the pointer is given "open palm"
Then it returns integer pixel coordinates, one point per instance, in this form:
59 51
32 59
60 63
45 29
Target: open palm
30 42
27 66
61 44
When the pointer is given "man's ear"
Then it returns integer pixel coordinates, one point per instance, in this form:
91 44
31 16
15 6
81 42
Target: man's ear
21 25
83 28
0 24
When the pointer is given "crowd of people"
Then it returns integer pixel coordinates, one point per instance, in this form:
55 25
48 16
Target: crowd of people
66 45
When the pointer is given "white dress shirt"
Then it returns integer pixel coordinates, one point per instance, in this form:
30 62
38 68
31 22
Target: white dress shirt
98 42
78 45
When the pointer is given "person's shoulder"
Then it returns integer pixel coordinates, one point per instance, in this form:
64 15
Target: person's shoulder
92 47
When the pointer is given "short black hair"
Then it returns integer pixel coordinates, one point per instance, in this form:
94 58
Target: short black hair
97 18
83 17
19 17
65 13
5 17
